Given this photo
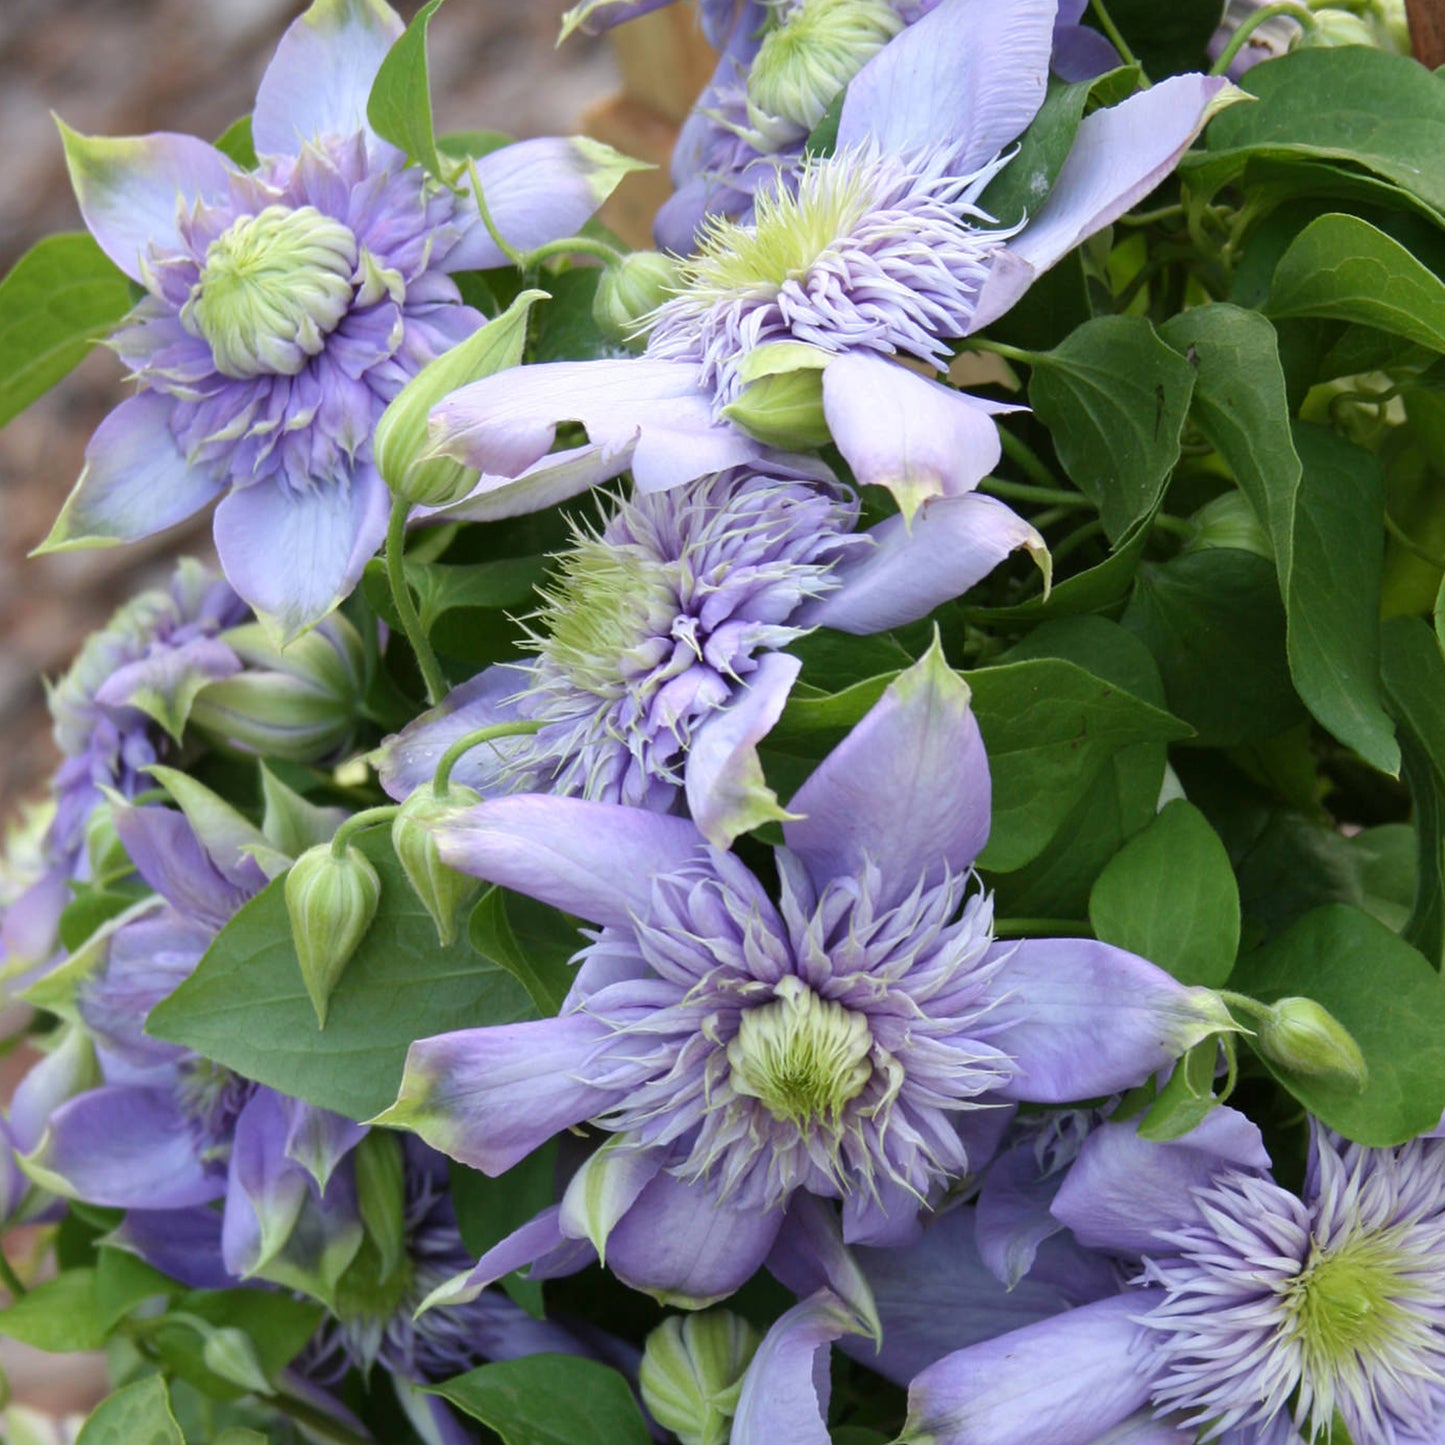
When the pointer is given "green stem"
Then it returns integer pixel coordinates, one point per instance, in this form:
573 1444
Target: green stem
1009 353
574 246
441 780
1177 525
1149 218
10 1279
1411 545
516 257
367 818
1302 13
1024 492
1042 928
1026 459
1244 1003
432 675
1076 539
1106 24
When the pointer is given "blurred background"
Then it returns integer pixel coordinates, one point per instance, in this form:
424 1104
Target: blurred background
126 67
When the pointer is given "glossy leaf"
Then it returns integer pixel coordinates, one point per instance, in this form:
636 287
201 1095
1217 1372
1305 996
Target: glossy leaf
246 1006
58 299
138 1414
1345 269
1169 895
549 1400
1115 397
1388 998
540 958
399 107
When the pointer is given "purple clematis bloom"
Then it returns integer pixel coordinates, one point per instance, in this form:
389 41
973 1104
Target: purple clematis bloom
878 250
656 667
846 1041
122 706
1257 1316
286 306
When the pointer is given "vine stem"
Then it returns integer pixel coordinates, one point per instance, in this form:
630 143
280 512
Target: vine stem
1023 456
574 246
1106 24
432 675
1024 492
1410 544
1291 8
442 778
367 818
10 1279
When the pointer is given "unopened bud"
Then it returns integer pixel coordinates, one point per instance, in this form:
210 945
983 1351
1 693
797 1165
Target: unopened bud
783 410
401 444
1229 521
230 1354
1304 1036
629 291
1334 28
300 703
331 901
692 1373
443 891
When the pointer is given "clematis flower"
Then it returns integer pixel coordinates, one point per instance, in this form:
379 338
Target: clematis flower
845 1041
285 307
1257 1315
876 251
656 666
122 706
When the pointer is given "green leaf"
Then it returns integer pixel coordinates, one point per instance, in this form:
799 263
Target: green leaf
1413 668
1169 895
62 1316
246 1006
123 1280
1024 184
1215 624
1115 397
399 107
1345 269
1385 115
1388 998
488 1210
549 1400
240 1436
138 1414
565 329
1049 727
541 959
1239 403
236 142
62 295
1331 576
279 1325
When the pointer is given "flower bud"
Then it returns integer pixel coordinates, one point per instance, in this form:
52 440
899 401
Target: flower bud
230 1354
299 704
1229 521
401 444
1334 28
629 291
692 1373
1302 1035
784 410
443 891
331 901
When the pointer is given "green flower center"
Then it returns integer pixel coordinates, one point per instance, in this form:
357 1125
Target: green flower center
1345 1305
273 287
790 234
803 1057
812 55
607 617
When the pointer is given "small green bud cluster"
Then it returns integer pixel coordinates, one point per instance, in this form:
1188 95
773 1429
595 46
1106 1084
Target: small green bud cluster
331 900
1229 521
692 1373
629 291
1302 1035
